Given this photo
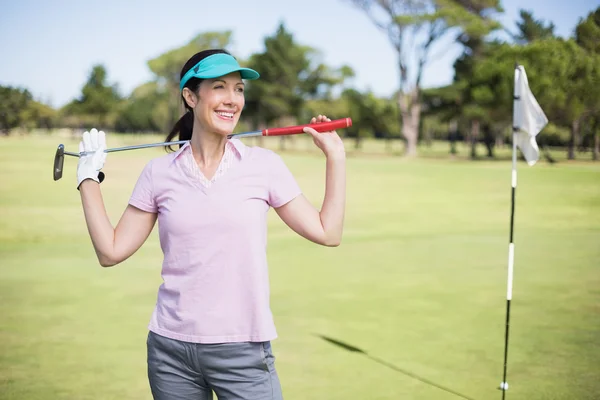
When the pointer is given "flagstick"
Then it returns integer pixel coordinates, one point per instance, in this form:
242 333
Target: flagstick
511 257
511 245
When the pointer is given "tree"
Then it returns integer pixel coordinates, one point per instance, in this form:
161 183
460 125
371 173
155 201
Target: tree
18 109
422 22
291 75
595 133
476 22
283 65
146 110
98 100
445 104
39 115
587 32
371 116
482 102
13 104
530 29
587 36
562 75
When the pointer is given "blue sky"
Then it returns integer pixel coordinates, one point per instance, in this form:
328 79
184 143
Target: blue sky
50 46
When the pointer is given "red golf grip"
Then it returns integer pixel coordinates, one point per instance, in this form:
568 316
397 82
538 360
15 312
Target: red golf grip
319 127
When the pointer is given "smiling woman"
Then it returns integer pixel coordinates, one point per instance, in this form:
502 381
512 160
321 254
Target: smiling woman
212 327
222 90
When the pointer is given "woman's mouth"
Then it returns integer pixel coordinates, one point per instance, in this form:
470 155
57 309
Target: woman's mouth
225 115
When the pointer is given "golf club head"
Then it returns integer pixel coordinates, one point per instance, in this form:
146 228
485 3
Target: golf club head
59 159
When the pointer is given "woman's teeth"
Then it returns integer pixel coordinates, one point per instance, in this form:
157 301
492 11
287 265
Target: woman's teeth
227 115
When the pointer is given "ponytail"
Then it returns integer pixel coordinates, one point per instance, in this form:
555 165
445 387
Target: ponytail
184 127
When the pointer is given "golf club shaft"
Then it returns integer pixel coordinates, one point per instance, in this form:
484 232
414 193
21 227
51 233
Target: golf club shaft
144 146
140 146
288 130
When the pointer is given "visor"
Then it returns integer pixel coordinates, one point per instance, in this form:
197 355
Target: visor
215 66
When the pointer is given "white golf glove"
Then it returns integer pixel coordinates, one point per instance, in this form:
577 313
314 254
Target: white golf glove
89 165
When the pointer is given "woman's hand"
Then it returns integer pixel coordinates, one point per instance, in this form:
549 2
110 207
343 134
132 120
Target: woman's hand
329 142
90 164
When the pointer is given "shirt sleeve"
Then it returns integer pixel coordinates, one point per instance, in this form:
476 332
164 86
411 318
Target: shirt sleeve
143 192
282 185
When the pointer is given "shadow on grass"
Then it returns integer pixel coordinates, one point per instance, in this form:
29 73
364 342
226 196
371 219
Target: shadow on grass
353 349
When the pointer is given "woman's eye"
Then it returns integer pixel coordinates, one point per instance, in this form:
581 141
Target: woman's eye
241 90
219 87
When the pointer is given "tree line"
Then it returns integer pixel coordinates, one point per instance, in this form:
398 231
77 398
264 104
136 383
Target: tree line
564 74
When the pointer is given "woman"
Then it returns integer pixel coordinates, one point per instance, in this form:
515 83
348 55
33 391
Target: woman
212 326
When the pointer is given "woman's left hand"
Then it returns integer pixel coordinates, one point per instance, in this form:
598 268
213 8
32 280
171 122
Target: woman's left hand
329 142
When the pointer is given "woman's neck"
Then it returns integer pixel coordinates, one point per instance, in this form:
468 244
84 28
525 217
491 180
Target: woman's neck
208 148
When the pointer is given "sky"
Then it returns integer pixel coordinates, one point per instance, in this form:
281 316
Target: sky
50 46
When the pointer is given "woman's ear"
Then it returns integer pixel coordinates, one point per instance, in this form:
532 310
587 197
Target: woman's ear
190 97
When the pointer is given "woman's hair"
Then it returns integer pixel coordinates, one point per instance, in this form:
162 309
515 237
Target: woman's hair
184 127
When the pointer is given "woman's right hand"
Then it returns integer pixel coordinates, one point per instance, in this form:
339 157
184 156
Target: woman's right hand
89 165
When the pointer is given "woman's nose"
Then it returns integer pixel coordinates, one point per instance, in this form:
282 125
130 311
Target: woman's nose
230 97
233 97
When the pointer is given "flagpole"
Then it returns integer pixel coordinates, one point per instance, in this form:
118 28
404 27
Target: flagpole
511 245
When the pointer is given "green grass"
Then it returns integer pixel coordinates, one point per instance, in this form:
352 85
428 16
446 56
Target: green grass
418 285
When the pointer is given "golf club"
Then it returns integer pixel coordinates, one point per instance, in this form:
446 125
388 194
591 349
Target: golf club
59 157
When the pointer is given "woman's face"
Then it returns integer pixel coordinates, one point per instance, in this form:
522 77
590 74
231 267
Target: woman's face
219 103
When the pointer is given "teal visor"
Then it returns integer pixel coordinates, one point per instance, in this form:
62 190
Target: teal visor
215 66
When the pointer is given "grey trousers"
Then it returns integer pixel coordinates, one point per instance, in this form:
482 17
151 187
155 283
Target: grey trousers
191 371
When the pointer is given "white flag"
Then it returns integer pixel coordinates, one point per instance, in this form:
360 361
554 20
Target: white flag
528 117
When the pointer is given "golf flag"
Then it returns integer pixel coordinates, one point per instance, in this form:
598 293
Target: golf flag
528 117
528 120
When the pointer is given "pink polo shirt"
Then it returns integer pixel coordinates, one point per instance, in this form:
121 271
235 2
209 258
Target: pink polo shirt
214 238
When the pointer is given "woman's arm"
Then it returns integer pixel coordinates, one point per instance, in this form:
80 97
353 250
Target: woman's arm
112 245
324 227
